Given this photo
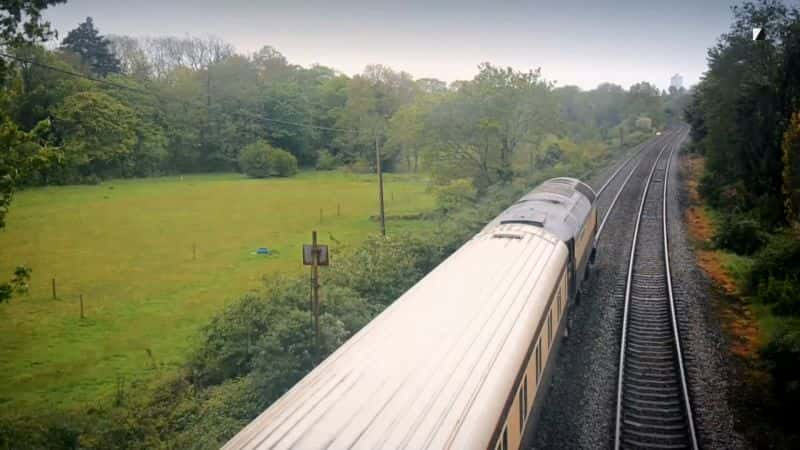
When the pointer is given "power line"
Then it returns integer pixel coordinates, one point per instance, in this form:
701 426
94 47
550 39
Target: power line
180 100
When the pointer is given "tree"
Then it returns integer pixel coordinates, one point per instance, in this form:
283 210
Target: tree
791 169
96 130
133 59
94 49
742 108
21 24
476 131
406 134
21 151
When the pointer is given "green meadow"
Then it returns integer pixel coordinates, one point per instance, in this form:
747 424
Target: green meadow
154 260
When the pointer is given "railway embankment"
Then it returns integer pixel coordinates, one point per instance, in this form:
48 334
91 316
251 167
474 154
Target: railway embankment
733 379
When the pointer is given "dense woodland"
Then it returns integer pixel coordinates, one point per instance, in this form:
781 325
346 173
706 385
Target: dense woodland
745 117
192 104
91 107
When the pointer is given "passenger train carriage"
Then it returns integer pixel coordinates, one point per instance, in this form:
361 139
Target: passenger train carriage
458 360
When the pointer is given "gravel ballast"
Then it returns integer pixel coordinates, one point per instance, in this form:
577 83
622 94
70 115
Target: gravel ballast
579 403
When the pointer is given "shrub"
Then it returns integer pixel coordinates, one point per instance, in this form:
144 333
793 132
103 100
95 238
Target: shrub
361 165
782 355
260 160
281 163
782 294
779 259
254 160
742 235
455 194
326 160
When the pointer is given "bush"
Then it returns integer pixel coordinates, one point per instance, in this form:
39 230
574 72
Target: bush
782 355
779 259
782 294
326 160
260 160
281 163
361 165
254 160
455 194
742 235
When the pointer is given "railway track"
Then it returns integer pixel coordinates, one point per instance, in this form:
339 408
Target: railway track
643 154
653 408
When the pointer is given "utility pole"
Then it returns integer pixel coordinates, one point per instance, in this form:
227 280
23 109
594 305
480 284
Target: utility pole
315 292
315 255
380 181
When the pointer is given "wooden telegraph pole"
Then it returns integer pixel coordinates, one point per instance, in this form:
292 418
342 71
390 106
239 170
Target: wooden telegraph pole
380 182
315 255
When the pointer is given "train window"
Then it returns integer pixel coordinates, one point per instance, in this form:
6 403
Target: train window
539 362
558 300
523 404
502 443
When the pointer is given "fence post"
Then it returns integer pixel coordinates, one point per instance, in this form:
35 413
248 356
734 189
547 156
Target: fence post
82 316
54 288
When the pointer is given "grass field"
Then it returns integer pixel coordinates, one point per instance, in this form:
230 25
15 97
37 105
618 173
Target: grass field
127 247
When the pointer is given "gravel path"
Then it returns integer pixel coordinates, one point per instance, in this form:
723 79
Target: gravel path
578 409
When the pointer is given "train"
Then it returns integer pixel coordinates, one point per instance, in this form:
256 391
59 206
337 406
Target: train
460 359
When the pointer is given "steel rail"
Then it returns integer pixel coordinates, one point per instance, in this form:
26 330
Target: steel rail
673 314
610 208
686 404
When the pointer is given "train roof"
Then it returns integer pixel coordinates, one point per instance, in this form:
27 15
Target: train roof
558 205
434 369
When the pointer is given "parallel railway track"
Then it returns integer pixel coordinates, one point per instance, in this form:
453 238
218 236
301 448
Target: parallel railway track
653 407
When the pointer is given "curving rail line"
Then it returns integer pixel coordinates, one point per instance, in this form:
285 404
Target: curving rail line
653 407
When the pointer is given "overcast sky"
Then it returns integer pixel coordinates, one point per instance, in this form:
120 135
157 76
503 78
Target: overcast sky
574 42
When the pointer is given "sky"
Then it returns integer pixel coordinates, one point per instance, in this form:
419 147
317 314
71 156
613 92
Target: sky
574 42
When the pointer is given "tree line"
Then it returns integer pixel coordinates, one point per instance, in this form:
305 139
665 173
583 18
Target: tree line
119 106
745 117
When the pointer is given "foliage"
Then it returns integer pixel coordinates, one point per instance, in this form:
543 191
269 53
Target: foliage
782 355
740 234
780 259
742 107
790 148
326 160
22 154
477 130
21 25
783 294
455 195
281 163
260 160
97 132
254 160
93 48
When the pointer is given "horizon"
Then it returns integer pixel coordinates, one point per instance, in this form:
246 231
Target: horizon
629 42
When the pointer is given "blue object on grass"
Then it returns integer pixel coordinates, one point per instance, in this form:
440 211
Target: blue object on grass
262 251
